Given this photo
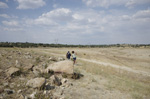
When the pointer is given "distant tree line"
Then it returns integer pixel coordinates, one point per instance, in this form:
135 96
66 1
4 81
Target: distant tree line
30 45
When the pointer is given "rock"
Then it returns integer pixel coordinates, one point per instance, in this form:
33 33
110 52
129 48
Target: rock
29 67
60 59
45 92
64 80
37 83
5 84
19 91
12 71
8 91
9 57
12 85
62 67
44 65
32 96
53 59
17 62
37 71
27 53
21 97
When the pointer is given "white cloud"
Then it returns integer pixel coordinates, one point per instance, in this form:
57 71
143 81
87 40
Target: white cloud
115 27
52 17
3 5
12 29
10 23
103 3
142 14
77 17
58 13
108 3
30 4
4 16
132 3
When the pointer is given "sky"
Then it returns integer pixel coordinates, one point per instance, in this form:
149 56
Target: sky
75 21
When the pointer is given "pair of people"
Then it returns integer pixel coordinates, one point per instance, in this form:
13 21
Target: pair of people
68 55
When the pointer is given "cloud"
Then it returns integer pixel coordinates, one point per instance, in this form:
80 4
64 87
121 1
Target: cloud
12 29
132 3
108 3
103 3
10 23
142 14
3 5
98 26
61 14
30 4
52 17
77 17
4 16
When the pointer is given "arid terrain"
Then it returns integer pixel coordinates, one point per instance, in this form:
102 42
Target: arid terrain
104 73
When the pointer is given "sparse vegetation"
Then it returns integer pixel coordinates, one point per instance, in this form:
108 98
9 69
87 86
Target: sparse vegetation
95 79
123 81
30 45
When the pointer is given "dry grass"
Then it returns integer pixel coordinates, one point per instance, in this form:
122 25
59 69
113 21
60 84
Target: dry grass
134 84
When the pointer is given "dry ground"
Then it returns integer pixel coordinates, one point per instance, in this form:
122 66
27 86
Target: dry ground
109 73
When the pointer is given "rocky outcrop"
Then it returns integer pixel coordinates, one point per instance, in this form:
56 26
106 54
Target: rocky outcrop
62 67
37 83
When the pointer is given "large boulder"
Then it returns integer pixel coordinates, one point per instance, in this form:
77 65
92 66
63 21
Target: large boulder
12 71
37 83
62 67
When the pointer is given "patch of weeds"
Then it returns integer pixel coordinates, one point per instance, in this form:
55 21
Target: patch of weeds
94 80
47 75
64 75
42 96
16 73
136 96
45 56
76 76
48 61
37 60
77 71
46 66
51 72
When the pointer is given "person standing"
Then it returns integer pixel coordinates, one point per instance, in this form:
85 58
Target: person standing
74 57
68 55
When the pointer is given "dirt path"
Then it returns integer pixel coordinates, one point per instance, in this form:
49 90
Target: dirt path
117 66
107 64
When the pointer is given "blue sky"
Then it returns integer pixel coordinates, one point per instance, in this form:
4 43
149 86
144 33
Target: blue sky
75 21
